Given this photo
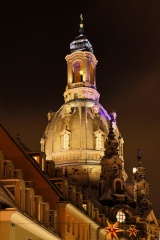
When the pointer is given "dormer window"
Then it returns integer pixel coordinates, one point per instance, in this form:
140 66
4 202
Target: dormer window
99 140
65 139
115 170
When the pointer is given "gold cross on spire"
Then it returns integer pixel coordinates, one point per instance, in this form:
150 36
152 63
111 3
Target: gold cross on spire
81 23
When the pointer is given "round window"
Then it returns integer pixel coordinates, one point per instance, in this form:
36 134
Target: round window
121 217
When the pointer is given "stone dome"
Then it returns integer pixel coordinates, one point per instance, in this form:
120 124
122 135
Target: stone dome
74 139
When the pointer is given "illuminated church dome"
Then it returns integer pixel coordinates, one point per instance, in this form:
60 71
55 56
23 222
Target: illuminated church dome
75 135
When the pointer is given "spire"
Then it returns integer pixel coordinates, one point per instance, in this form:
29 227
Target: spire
141 187
81 74
81 43
111 134
81 30
138 153
138 170
139 161
111 143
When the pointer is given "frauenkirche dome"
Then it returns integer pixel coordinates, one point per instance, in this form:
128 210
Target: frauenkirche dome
75 135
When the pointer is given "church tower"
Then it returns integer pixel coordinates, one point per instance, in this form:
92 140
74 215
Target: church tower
141 186
81 63
113 174
75 134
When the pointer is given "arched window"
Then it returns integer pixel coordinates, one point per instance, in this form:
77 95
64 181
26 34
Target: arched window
121 217
115 170
65 139
118 187
99 140
77 72
91 74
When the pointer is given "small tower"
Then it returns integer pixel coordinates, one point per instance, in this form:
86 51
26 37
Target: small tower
112 166
111 145
81 64
141 187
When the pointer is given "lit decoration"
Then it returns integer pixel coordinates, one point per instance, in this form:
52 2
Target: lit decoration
112 230
132 231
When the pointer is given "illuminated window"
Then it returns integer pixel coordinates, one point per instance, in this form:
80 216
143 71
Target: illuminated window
85 207
43 164
91 74
65 139
134 170
99 140
121 217
77 72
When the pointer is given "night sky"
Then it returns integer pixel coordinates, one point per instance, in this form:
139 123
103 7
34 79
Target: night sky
34 40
